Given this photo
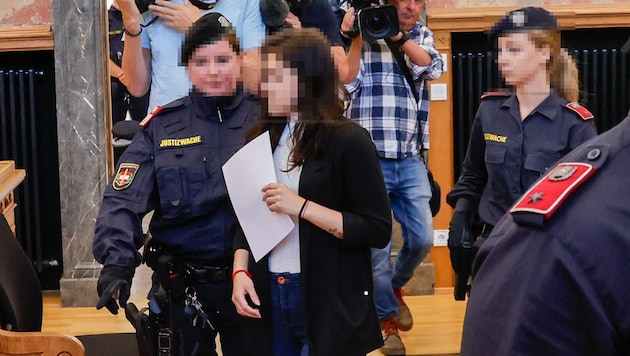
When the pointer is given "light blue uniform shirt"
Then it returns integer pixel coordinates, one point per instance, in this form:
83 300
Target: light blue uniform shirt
169 81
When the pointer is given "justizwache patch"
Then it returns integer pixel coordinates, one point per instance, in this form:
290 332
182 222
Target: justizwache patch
125 175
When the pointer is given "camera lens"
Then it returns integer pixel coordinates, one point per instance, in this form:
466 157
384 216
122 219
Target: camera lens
377 22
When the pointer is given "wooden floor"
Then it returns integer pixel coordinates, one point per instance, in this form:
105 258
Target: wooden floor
437 322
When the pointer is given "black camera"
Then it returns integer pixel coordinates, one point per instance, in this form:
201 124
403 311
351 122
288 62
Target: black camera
143 5
375 22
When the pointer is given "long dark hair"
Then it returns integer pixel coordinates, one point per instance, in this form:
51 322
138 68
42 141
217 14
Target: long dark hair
319 104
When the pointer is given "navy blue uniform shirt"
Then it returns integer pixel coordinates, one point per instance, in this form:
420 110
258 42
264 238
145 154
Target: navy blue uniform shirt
560 285
115 35
173 166
506 154
318 14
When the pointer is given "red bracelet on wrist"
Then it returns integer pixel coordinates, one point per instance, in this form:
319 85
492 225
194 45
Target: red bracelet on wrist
241 271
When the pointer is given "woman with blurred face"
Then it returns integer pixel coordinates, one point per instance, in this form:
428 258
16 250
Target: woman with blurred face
313 294
215 68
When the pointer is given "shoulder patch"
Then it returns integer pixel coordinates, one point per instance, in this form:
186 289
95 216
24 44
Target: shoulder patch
495 94
125 175
544 198
147 119
580 110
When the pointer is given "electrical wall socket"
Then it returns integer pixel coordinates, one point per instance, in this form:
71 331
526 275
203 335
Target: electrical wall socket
439 91
440 237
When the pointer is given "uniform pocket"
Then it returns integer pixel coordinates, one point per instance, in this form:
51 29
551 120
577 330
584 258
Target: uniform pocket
540 161
495 154
191 183
204 184
173 191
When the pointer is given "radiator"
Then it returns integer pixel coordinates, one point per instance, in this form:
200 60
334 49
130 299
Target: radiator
604 88
604 84
18 142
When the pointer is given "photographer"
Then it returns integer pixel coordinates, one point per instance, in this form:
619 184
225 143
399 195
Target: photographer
152 40
396 115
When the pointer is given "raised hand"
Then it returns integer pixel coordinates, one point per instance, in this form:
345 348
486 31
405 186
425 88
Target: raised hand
176 16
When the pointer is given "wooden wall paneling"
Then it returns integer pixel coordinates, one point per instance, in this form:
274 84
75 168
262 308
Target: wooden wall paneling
26 38
441 158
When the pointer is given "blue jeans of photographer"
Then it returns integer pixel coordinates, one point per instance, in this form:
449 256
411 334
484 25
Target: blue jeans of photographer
409 193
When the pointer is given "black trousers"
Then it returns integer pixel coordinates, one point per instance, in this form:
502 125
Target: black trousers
122 102
216 302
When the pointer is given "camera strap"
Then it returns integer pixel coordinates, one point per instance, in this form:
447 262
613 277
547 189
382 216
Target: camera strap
404 68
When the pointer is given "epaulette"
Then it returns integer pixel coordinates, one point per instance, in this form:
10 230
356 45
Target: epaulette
580 110
161 109
147 119
542 200
495 94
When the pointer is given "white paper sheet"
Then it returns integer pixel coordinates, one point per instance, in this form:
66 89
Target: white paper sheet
245 173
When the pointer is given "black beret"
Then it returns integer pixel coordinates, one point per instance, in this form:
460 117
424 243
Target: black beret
208 29
527 18
125 129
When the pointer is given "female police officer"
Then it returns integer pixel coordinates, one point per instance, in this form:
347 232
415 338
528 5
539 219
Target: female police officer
173 167
516 137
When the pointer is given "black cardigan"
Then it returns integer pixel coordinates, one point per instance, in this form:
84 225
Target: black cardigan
336 273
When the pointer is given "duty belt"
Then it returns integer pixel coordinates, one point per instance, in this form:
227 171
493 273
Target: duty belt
206 274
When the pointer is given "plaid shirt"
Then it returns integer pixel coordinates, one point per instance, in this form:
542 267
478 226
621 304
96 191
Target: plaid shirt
384 104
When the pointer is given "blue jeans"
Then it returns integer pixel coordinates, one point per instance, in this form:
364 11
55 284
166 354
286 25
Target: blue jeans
409 193
289 331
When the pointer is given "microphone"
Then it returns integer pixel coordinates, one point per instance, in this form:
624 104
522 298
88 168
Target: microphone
274 12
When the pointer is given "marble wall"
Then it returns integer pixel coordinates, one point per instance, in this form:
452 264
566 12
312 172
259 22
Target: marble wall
26 12
82 138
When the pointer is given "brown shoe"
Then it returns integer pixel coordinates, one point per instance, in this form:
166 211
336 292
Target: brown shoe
393 345
405 320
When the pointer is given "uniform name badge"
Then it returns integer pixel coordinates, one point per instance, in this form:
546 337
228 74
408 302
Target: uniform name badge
125 175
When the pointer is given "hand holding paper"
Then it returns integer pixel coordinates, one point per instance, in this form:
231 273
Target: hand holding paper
280 199
246 173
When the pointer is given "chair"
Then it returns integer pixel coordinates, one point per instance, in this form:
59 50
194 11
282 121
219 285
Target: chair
21 303
39 343
21 306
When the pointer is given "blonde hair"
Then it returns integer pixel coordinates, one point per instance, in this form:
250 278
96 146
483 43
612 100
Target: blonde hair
561 68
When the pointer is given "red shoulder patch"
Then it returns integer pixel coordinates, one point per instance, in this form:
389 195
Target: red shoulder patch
493 94
580 110
147 119
550 191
